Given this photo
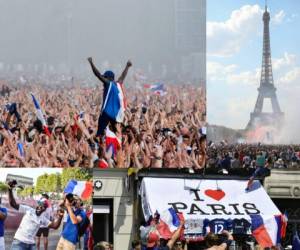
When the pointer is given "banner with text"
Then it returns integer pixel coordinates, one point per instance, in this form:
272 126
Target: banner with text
201 200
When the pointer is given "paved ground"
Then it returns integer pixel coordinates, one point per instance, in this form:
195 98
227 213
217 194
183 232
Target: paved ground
54 236
53 239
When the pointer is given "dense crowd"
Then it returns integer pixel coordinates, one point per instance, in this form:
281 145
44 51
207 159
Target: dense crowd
158 130
231 156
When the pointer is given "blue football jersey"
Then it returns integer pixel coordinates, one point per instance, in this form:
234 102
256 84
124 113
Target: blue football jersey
216 226
241 226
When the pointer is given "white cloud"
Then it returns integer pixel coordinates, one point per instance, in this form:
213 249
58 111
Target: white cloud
289 99
239 108
244 77
278 17
286 60
231 75
226 38
290 78
217 71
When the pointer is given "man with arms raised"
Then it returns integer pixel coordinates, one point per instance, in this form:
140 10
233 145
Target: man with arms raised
32 220
113 103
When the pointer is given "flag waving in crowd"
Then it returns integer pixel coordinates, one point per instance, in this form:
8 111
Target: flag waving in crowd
40 115
169 222
83 189
112 141
267 232
158 88
168 225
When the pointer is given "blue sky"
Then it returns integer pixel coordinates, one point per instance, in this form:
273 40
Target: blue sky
234 51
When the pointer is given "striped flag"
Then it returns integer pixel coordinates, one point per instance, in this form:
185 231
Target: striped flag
267 232
112 141
284 221
158 88
150 86
83 189
40 115
115 103
169 222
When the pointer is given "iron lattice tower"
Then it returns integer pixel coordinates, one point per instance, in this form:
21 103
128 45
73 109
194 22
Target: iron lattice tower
266 88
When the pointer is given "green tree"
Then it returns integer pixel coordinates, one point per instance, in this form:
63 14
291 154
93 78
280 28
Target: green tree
41 184
26 192
53 183
80 174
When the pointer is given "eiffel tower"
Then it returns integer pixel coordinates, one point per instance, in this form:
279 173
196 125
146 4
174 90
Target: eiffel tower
266 89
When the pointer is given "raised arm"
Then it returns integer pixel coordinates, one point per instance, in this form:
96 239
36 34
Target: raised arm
11 197
74 219
125 71
175 236
56 223
97 73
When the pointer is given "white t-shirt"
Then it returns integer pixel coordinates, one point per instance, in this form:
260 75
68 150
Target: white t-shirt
30 224
48 214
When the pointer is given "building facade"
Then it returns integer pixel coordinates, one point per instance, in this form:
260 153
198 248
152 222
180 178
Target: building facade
117 208
21 180
113 208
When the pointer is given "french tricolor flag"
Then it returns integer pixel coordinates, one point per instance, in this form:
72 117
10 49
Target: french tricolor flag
150 86
267 232
168 223
158 89
115 103
40 115
83 189
112 141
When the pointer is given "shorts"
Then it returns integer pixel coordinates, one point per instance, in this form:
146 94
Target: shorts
64 244
103 121
43 231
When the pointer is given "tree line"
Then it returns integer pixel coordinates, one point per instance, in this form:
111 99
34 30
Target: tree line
55 183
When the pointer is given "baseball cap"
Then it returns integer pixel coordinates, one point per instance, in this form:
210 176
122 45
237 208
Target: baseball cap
109 74
43 202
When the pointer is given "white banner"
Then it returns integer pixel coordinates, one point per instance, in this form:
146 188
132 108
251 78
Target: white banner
205 199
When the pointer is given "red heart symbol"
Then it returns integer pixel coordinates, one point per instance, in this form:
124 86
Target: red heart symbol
215 194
